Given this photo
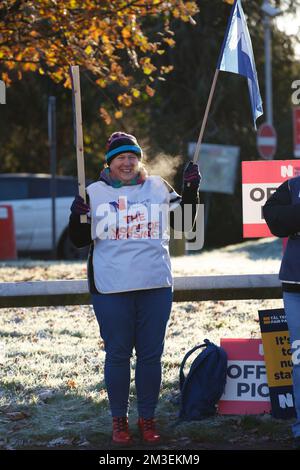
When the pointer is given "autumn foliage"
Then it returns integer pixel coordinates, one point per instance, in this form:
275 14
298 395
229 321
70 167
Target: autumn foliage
116 42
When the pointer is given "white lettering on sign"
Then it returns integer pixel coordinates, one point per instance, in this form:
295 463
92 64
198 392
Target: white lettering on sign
296 94
287 171
286 401
261 349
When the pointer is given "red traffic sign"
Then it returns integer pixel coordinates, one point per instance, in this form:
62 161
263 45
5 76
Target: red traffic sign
266 141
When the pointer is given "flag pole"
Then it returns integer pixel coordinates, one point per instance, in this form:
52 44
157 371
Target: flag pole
203 125
212 90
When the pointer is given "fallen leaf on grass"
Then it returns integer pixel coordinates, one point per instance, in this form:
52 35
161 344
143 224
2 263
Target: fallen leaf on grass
71 383
17 415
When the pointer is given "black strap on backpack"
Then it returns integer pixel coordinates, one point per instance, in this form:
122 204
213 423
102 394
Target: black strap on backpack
181 373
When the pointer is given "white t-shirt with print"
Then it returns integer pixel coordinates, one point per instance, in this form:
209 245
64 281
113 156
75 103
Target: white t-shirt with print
131 236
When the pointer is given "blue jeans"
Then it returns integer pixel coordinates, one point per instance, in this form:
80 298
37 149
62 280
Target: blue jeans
292 311
128 320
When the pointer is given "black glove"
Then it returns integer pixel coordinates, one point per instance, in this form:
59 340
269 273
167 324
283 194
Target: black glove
79 207
191 176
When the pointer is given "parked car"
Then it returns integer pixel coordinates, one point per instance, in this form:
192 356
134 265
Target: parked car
29 195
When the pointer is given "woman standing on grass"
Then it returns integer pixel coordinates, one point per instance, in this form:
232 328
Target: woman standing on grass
130 275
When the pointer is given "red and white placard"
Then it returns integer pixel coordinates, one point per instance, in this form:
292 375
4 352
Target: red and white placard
259 180
246 390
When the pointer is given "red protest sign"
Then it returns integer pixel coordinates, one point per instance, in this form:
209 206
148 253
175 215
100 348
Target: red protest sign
246 390
259 180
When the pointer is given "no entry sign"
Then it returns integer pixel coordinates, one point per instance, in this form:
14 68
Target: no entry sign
266 141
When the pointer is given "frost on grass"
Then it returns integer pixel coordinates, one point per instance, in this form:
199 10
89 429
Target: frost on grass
52 358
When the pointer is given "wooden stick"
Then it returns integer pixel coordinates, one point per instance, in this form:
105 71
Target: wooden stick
203 125
79 135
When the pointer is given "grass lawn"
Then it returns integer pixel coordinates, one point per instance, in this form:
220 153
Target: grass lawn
52 393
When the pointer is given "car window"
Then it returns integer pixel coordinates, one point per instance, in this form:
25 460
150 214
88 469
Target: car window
34 188
13 188
39 188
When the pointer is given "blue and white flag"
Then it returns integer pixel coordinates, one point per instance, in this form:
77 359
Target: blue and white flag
237 56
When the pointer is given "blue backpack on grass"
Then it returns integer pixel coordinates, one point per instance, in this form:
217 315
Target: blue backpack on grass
204 385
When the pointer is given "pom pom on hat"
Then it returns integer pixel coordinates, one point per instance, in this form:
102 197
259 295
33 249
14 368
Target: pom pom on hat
120 142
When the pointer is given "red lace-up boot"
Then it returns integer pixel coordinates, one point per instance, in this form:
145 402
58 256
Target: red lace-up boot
148 431
121 435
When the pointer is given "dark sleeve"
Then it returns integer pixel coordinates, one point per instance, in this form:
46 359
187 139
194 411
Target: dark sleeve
281 216
80 234
190 196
